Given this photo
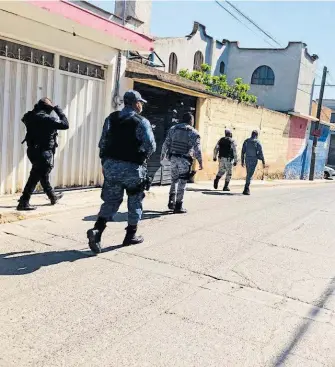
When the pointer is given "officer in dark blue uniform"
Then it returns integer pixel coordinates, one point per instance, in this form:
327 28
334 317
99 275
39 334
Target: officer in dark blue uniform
126 143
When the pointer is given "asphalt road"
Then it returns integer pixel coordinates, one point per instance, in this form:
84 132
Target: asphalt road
238 281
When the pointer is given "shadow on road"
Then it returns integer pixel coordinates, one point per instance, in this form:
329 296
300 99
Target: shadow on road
303 328
123 217
220 193
26 262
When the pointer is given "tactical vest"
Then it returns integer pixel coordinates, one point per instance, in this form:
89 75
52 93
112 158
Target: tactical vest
226 148
180 141
123 144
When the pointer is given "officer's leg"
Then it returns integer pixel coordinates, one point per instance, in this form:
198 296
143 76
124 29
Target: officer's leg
184 169
251 167
112 197
174 184
221 172
135 210
46 168
229 167
31 184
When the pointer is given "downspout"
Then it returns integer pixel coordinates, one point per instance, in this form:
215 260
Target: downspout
116 97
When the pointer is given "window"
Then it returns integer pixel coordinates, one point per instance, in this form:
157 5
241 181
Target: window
263 75
198 61
81 67
222 67
173 62
332 117
25 53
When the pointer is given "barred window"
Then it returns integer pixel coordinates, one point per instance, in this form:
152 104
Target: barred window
222 67
81 67
173 63
198 61
263 75
25 53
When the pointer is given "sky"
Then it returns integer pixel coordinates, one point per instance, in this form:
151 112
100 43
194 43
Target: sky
309 21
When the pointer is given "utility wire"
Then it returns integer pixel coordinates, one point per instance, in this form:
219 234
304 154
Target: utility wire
253 22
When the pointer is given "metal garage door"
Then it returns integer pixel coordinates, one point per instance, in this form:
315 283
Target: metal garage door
28 74
159 111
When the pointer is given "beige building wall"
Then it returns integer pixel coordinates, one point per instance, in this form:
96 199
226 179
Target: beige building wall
214 115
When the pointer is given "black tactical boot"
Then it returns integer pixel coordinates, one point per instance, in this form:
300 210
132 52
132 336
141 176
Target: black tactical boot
131 238
171 204
246 190
94 235
25 206
179 208
226 187
216 182
54 198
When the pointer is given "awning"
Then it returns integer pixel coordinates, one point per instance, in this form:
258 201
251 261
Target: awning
40 19
158 78
312 118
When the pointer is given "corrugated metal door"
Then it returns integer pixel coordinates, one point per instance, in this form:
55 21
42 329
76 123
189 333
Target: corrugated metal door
159 111
77 158
28 74
21 85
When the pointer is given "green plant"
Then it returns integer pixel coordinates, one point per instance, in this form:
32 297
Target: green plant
219 84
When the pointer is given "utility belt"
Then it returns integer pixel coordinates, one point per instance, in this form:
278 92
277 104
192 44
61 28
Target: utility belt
186 156
191 173
229 158
143 186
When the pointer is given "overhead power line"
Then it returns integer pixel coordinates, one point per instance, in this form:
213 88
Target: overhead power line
253 22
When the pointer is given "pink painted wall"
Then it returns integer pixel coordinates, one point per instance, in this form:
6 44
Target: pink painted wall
86 18
297 136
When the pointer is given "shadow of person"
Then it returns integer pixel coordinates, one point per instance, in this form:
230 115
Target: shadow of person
220 193
123 217
26 262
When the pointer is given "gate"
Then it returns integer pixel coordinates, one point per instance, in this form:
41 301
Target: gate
28 74
160 112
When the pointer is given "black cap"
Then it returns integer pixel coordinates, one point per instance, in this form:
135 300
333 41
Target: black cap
132 96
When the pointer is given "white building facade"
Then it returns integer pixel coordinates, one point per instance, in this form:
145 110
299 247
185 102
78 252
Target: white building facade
61 51
282 79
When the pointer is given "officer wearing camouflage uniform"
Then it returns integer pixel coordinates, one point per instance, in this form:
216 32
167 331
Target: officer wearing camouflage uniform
126 143
181 145
226 149
252 151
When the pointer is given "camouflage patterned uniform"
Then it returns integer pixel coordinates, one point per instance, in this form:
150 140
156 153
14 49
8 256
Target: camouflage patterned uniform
226 163
181 145
120 176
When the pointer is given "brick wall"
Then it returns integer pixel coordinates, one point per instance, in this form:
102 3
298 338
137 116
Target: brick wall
214 115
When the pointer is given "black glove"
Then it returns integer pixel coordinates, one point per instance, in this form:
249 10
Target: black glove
58 110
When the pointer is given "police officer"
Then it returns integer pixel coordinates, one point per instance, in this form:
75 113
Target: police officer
226 149
181 144
251 152
126 143
41 139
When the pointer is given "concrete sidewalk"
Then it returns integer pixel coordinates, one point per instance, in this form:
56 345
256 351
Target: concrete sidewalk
78 199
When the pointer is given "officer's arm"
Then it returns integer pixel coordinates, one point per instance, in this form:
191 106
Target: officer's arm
60 122
216 151
166 145
260 152
244 149
197 151
103 140
145 134
235 151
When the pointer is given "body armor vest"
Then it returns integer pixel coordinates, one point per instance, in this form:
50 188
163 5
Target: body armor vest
180 141
122 143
